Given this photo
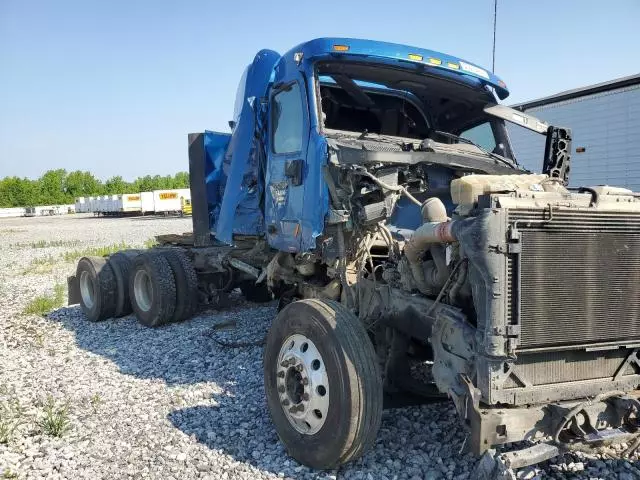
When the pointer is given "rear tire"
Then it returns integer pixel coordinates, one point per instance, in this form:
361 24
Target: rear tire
186 283
329 345
152 289
98 288
122 263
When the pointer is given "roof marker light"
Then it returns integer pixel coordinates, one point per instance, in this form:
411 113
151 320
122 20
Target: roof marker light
341 48
415 56
455 66
435 61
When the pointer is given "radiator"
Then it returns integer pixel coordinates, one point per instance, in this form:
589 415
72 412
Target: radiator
578 278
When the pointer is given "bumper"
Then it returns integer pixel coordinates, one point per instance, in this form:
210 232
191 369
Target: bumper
612 417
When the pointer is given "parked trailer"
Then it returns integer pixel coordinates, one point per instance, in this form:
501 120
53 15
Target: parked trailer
389 237
12 212
169 201
146 203
81 205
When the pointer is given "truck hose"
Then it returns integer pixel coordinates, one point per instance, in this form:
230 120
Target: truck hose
435 231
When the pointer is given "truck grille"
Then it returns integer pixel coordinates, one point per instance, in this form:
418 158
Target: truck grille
579 278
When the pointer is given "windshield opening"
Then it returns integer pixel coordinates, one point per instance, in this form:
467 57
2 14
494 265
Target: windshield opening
377 99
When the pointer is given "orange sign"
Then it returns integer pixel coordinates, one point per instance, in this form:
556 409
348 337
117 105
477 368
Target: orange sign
133 198
168 195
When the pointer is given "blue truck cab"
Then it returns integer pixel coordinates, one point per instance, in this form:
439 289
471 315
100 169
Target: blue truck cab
289 107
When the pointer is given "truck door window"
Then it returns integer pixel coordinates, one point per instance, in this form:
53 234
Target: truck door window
287 119
481 134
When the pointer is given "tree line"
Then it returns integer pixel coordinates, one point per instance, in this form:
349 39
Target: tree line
58 187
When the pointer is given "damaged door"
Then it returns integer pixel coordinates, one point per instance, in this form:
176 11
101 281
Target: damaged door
286 166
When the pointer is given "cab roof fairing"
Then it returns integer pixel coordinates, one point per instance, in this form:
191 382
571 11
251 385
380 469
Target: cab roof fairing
398 55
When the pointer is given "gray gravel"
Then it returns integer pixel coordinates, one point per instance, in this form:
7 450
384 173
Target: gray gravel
182 401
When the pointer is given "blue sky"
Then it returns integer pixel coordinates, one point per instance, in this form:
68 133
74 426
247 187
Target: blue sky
115 86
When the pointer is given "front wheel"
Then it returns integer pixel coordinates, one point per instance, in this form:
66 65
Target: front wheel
322 382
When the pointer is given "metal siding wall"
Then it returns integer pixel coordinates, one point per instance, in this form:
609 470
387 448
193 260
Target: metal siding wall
606 124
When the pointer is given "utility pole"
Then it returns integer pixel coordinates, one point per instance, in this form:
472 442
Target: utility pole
495 18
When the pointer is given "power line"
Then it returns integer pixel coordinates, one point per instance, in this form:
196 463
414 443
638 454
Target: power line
495 18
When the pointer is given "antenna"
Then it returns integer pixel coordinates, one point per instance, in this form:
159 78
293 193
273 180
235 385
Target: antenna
495 18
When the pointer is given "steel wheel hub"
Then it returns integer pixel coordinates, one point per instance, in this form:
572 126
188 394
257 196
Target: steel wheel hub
86 289
303 385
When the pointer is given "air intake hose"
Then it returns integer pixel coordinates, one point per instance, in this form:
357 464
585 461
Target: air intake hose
431 235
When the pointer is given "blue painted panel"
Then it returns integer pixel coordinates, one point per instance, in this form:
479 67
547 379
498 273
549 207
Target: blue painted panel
240 212
396 54
215 147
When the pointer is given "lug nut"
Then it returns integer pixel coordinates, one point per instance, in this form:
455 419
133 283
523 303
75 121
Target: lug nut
293 409
281 374
305 397
285 402
299 367
305 381
285 364
281 389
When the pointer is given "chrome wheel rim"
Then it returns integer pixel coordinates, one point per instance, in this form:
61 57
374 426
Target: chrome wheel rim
86 289
142 290
303 384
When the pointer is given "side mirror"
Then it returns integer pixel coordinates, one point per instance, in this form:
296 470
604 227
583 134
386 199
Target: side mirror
232 124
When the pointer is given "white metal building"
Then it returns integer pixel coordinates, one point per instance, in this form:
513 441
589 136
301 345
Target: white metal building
605 123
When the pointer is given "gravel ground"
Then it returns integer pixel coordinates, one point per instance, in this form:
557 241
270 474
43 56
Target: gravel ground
182 401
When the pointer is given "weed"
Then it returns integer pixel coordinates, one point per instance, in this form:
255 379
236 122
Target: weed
150 242
46 303
95 401
9 474
11 417
40 265
49 243
56 418
74 255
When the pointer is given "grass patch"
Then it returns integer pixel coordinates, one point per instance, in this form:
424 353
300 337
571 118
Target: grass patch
12 230
46 303
48 260
150 242
40 265
55 421
95 401
11 417
74 255
47 244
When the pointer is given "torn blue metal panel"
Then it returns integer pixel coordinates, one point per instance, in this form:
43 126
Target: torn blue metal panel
240 211
215 147
316 195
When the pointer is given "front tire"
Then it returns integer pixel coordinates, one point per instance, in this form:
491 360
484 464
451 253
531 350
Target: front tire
98 289
322 383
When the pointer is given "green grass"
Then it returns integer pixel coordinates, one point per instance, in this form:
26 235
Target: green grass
11 417
46 303
47 243
74 255
40 265
9 474
48 260
150 242
55 421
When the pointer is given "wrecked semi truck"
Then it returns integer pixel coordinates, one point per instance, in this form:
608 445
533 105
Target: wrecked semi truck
371 188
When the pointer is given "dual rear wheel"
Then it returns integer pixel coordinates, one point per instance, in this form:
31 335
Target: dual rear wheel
159 286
